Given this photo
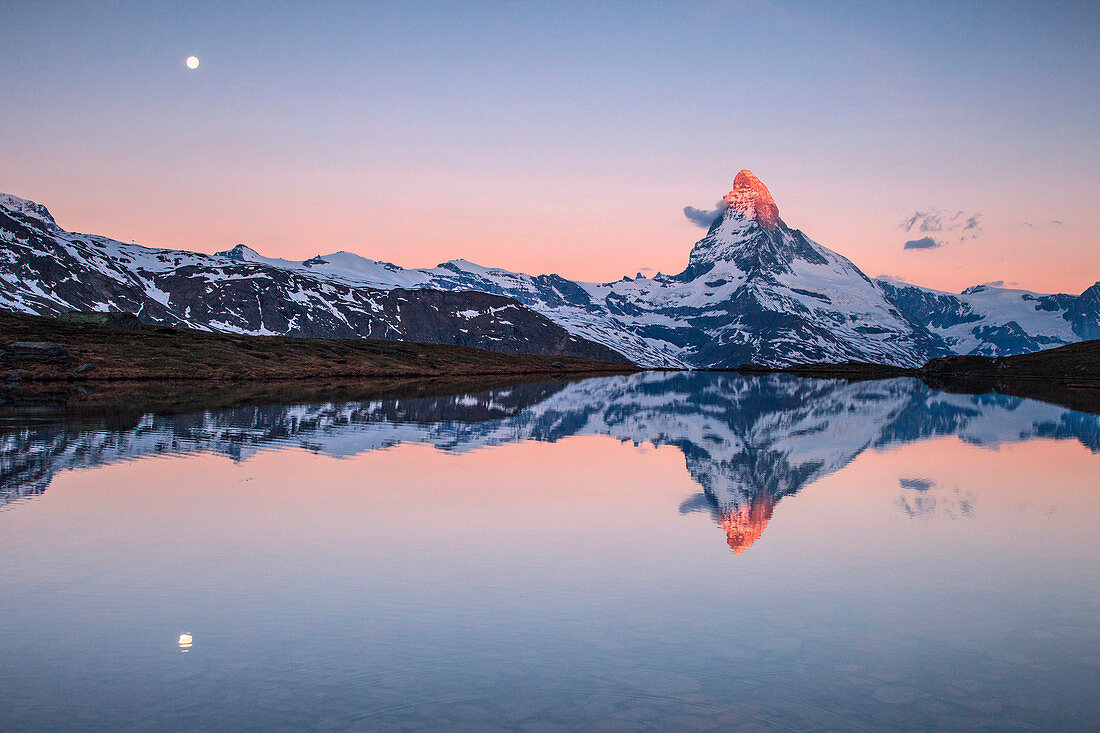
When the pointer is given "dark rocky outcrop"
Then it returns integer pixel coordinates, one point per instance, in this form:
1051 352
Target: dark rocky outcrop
41 352
1084 313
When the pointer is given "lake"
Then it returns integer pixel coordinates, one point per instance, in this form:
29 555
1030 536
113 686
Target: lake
659 551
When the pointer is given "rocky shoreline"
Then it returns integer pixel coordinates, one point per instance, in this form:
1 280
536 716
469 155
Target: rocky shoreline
1074 362
1068 375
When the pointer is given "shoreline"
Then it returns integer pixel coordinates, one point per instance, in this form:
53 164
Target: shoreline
39 350
54 360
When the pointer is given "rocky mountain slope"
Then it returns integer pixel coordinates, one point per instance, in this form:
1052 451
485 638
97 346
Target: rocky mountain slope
45 270
754 291
993 321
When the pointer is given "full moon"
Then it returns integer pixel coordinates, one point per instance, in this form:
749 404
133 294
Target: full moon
192 62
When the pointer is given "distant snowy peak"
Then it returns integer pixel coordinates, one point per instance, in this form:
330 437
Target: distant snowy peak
28 208
996 321
241 253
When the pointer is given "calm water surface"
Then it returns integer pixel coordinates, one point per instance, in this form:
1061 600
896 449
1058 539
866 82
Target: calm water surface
659 551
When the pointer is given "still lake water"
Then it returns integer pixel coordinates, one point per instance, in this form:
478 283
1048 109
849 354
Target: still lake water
658 551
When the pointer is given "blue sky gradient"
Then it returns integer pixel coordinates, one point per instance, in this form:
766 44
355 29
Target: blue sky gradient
562 137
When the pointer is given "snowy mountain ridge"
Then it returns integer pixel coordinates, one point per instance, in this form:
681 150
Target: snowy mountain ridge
754 291
45 270
998 321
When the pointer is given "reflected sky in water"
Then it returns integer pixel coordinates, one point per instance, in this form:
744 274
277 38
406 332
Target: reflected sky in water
655 551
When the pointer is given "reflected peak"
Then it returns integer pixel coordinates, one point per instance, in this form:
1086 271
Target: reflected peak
745 524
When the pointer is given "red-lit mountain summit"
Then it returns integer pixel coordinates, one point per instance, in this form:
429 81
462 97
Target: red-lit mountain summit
752 200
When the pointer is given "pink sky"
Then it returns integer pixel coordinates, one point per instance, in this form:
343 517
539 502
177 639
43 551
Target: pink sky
563 138
555 227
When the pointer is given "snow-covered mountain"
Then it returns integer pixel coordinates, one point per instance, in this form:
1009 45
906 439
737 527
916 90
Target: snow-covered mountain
754 291
995 321
48 271
747 441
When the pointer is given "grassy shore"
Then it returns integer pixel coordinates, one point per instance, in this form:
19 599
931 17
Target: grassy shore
39 350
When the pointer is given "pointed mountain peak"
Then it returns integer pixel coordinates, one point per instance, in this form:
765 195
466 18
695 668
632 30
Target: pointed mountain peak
241 253
752 199
750 237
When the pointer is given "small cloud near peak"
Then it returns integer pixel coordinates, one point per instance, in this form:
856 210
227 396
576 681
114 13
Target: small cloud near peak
705 217
923 243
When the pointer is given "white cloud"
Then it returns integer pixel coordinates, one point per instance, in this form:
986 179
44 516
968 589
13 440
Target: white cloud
949 227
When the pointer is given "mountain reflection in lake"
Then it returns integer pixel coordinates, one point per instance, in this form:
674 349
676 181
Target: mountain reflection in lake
536 557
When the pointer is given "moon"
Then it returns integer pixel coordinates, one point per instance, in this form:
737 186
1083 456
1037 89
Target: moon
192 62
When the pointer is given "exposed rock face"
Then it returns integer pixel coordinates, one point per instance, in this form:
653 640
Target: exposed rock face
37 351
753 200
1084 313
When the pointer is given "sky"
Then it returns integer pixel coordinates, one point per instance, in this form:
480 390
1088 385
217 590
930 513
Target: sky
945 144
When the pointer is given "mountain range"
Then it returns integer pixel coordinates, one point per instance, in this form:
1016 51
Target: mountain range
754 291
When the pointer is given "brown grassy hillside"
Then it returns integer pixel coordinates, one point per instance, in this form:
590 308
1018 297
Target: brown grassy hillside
37 349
